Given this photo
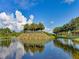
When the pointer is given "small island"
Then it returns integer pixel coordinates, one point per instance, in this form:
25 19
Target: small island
32 34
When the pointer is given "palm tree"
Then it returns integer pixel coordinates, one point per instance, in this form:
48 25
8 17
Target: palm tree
33 27
26 27
41 26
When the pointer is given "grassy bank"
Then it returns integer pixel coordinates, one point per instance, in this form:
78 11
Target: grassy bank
53 36
76 40
35 38
9 35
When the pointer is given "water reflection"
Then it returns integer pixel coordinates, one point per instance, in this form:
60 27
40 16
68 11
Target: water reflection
48 52
57 49
71 48
14 51
34 49
5 42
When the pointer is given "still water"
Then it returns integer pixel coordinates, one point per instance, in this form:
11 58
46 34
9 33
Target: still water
56 49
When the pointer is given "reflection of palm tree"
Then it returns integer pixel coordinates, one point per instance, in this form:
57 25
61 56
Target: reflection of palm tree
68 48
34 49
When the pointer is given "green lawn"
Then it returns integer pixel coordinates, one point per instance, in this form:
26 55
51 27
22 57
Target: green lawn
9 35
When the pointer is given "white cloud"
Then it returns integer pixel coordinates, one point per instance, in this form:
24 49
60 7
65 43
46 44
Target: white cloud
30 19
69 1
14 23
20 20
48 30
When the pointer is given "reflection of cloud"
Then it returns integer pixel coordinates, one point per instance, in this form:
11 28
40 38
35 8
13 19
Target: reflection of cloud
14 23
15 48
31 53
69 1
31 19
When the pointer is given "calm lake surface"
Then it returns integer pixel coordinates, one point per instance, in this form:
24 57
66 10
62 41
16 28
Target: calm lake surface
56 49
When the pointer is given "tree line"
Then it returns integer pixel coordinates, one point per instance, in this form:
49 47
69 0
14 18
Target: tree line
33 27
71 26
5 30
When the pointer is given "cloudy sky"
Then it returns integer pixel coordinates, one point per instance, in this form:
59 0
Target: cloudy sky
15 13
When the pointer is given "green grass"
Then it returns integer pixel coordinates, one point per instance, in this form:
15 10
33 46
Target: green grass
9 35
53 36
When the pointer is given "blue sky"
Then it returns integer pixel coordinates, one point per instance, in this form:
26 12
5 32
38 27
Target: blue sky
52 13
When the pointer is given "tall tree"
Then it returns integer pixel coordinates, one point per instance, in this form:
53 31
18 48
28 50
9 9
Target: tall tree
33 27
41 26
26 27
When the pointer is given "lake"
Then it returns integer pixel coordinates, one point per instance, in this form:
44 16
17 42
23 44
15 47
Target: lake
56 49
